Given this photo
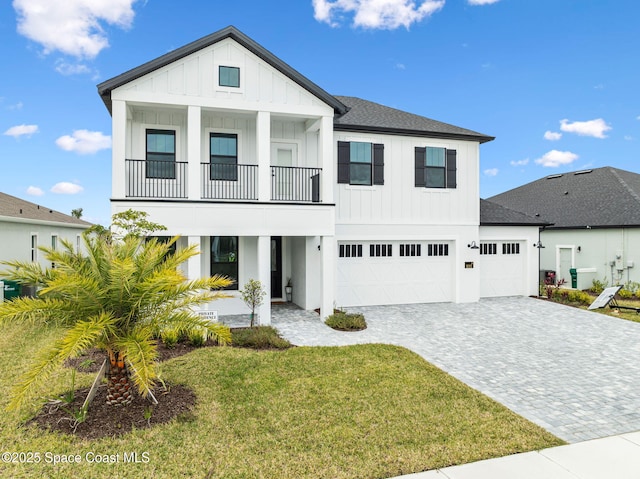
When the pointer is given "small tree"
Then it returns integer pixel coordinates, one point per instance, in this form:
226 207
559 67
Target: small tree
76 213
253 295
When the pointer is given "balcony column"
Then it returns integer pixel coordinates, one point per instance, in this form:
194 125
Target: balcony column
118 148
264 276
194 153
263 154
327 162
194 268
328 265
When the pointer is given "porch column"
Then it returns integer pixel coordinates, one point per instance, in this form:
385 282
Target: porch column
263 154
325 143
193 151
328 266
194 268
118 148
264 276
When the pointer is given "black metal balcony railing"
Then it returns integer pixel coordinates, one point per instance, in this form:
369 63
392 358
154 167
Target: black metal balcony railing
291 183
229 181
156 179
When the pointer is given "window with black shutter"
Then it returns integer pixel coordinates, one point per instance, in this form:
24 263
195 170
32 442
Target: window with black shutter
360 163
435 167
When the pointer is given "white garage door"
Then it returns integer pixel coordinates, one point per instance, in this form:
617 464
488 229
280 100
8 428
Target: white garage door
394 273
502 271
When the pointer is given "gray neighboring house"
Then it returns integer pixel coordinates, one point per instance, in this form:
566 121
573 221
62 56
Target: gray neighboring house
596 223
24 226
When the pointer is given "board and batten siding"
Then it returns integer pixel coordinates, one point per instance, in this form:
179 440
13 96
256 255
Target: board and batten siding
399 201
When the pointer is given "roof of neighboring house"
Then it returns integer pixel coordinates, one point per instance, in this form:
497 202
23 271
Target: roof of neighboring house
105 88
493 214
596 198
17 208
368 116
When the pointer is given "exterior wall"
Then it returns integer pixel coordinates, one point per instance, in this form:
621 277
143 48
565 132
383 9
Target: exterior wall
599 248
526 236
15 238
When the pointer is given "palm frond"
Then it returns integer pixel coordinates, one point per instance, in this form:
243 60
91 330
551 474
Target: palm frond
35 310
140 349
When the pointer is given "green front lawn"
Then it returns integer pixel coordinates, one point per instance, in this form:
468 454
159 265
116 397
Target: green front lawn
369 411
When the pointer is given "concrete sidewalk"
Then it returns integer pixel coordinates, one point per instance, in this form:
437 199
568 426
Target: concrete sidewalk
615 457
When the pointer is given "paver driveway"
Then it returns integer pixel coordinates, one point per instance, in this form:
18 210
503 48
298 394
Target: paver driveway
575 373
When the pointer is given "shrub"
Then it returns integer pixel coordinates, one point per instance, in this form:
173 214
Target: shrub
170 338
598 286
197 337
259 337
343 321
581 297
625 293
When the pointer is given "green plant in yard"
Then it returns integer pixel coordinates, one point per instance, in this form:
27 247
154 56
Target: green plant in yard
170 337
197 337
253 296
261 337
343 321
116 296
625 293
598 286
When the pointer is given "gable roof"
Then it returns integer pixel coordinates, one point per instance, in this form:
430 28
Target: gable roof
105 88
598 198
493 214
13 207
371 117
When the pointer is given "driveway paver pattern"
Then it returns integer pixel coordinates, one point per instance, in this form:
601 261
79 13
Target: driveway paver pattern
576 373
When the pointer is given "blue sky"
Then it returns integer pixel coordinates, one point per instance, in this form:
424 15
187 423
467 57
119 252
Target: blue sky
555 81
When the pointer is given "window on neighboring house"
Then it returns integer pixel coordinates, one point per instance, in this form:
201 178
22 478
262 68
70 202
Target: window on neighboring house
34 247
360 163
224 258
510 248
435 167
488 248
440 249
161 154
229 76
224 156
411 249
350 251
380 250
78 243
54 246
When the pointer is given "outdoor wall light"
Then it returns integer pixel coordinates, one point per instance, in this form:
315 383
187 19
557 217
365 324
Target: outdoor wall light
579 248
473 245
538 244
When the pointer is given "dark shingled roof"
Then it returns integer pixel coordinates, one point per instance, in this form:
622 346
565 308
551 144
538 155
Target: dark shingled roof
104 88
598 198
17 208
492 214
372 117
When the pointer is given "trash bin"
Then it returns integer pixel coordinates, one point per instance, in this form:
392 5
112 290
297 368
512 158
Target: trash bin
11 289
574 277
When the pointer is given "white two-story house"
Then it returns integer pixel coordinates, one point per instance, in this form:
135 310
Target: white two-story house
274 179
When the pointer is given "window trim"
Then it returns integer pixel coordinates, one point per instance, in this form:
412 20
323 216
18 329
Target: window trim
147 131
420 168
220 67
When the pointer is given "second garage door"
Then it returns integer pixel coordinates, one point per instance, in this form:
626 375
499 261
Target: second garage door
502 269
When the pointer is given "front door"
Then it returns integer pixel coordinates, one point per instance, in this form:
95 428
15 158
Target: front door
565 260
276 266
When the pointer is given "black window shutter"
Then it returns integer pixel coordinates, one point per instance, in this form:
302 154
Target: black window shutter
378 164
344 154
421 158
451 169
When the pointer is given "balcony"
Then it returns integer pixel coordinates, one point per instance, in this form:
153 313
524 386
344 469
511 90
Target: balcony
156 179
169 179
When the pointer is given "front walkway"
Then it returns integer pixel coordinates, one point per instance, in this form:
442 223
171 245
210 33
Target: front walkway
575 373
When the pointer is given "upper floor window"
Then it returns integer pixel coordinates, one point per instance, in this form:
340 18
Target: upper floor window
224 156
229 76
435 167
360 163
161 154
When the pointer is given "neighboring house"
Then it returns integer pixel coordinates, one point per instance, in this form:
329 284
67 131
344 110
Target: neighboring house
24 226
596 223
274 178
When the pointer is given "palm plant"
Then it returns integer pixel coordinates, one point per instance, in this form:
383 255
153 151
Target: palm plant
117 297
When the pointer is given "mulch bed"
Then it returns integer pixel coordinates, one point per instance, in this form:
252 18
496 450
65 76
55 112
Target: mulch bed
104 420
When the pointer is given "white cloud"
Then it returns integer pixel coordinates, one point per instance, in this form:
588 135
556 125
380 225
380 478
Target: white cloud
555 158
67 69
482 2
21 130
382 14
84 142
401 66
491 172
73 27
595 128
66 188
17 106
520 162
628 137
35 191
552 135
